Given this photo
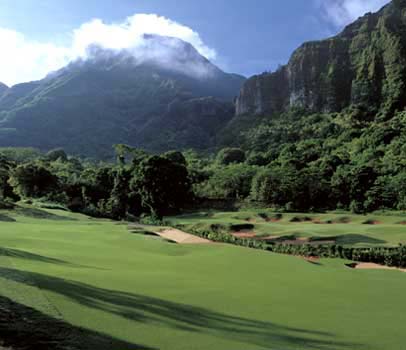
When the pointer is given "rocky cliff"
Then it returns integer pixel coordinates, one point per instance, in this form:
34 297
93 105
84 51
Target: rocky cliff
363 66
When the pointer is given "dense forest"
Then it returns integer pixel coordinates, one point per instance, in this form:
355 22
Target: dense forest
291 163
302 138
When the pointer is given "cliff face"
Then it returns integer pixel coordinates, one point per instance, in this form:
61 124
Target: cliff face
362 66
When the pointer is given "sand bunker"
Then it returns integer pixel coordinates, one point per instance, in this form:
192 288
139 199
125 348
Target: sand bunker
372 266
182 237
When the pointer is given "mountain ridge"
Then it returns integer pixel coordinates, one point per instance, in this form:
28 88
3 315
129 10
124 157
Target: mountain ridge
112 96
361 66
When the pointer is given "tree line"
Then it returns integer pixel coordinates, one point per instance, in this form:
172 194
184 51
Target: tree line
291 162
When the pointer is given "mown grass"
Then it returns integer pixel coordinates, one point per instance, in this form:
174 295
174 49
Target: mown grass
346 229
131 287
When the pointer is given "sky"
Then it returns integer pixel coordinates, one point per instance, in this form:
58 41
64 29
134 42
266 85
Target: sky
240 36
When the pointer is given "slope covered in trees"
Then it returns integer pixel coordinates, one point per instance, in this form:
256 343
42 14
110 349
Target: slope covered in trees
306 157
119 97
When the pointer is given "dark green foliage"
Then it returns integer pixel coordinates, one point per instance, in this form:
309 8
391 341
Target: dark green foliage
33 180
219 233
109 99
230 155
228 182
322 162
20 154
162 185
6 166
175 157
56 154
342 146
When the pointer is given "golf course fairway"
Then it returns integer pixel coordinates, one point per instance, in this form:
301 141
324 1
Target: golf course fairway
147 293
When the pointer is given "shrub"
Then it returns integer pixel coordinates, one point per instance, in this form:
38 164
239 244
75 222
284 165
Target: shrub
152 219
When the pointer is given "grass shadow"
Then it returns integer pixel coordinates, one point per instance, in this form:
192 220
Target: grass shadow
356 238
22 254
23 328
351 238
146 309
41 214
6 218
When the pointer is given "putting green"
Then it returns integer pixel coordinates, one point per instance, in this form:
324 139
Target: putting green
158 295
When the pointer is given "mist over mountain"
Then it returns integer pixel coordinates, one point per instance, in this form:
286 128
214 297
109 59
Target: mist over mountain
112 96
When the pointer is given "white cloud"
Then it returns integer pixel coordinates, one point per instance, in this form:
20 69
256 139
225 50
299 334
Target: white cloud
22 59
343 12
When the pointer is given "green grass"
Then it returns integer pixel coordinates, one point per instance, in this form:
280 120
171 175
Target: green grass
355 232
142 290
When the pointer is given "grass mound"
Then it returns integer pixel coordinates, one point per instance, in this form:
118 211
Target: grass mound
40 214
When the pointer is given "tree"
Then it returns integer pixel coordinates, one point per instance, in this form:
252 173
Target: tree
56 154
5 170
175 157
162 185
124 152
230 182
230 155
33 180
276 185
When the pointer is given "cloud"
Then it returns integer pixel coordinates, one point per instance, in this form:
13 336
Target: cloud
22 59
343 12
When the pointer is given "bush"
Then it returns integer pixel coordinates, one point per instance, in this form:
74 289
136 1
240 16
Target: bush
152 220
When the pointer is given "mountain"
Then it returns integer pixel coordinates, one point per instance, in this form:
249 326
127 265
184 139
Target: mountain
149 97
362 67
3 88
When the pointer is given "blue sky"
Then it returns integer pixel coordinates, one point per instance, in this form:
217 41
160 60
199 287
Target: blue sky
241 36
